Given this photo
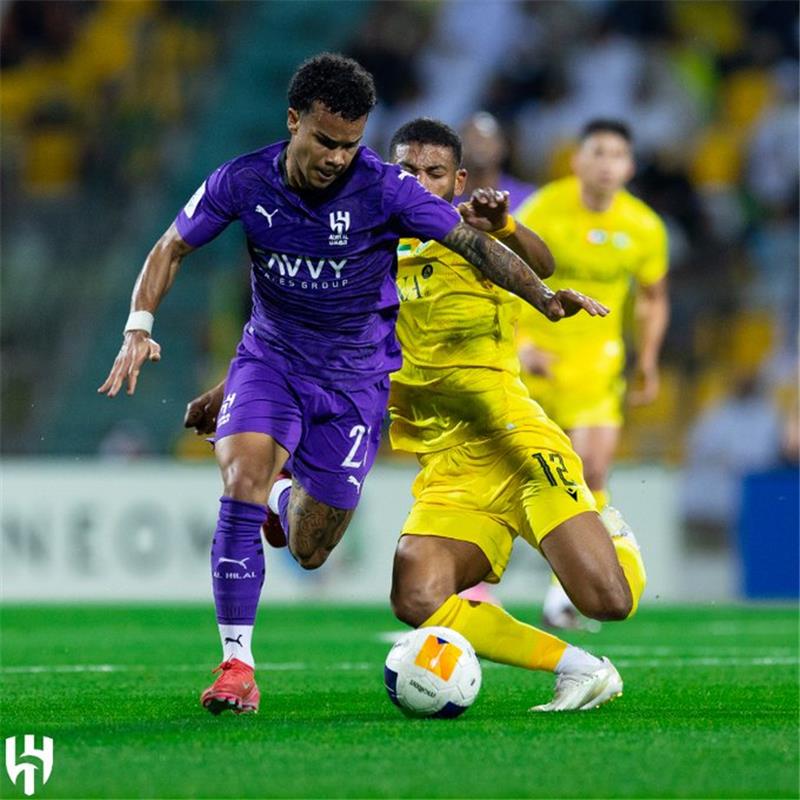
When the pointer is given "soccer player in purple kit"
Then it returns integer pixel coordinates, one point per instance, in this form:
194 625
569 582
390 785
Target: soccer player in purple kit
308 386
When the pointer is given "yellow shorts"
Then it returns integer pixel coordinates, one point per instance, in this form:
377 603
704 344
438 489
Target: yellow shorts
520 482
586 390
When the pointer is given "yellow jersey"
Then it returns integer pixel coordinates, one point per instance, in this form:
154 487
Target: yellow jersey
597 253
456 329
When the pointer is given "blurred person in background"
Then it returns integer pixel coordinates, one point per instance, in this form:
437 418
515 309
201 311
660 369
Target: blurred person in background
742 433
307 389
603 240
485 152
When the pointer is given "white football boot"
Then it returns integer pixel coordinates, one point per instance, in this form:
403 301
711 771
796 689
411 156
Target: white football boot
585 689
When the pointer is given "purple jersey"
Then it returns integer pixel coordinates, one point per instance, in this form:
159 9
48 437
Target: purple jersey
323 263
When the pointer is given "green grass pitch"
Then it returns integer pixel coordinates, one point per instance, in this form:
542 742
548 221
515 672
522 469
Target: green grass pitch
710 710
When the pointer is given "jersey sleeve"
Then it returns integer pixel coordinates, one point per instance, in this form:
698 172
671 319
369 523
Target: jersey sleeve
210 209
655 259
415 212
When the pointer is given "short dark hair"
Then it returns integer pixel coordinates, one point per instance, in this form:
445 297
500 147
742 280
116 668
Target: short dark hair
341 84
425 130
607 126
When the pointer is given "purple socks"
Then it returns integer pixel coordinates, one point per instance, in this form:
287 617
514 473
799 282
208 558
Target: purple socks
237 560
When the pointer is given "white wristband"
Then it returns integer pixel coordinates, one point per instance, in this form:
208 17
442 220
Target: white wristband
140 321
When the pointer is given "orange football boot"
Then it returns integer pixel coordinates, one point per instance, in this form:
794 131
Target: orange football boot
234 689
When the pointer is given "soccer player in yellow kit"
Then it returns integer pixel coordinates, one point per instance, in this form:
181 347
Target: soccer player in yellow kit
493 466
604 240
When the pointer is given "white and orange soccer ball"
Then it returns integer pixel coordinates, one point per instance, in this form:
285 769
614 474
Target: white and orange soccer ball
432 672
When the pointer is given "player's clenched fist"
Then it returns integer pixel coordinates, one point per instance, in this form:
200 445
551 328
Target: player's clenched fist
137 348
486 210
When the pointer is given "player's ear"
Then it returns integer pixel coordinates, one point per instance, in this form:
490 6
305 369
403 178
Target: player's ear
461 182
292 121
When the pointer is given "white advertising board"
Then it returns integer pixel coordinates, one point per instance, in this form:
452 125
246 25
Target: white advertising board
99 530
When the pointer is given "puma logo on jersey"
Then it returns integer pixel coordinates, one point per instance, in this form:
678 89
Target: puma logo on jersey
264 213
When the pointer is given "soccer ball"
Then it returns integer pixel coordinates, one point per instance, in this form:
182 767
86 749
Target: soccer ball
432 672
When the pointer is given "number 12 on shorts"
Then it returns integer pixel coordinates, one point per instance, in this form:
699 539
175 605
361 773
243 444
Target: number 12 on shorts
561 468
358 433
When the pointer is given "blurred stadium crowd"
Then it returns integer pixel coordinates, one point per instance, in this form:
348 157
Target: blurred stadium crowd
102 102
93 97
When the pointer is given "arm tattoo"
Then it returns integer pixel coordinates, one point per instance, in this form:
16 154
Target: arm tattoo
499 264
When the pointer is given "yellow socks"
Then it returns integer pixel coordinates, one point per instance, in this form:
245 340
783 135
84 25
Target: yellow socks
496 635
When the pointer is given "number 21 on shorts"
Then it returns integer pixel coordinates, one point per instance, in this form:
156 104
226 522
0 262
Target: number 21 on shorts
357 455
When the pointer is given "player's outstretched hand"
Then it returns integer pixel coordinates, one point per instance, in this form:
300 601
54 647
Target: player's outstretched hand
568 302
201 413
137 347
486 210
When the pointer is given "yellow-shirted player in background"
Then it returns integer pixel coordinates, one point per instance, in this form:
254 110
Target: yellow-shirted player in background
493 466
604 241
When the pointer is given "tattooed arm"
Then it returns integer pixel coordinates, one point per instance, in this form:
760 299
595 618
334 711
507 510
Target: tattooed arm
487 210
506 269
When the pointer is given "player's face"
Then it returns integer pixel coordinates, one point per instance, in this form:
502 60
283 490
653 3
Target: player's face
434 167
322 146
604 162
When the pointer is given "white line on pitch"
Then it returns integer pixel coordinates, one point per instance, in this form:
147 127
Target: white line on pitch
291 666
765 661
357 666
691 652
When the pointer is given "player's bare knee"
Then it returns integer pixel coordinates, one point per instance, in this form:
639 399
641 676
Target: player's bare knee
412 607
615 608
607 603
244 484
621 603
403 609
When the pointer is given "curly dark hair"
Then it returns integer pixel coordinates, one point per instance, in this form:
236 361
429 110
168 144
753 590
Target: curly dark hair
342 85
425 130
607 126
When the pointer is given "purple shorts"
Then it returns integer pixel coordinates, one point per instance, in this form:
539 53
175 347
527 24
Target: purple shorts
332 435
